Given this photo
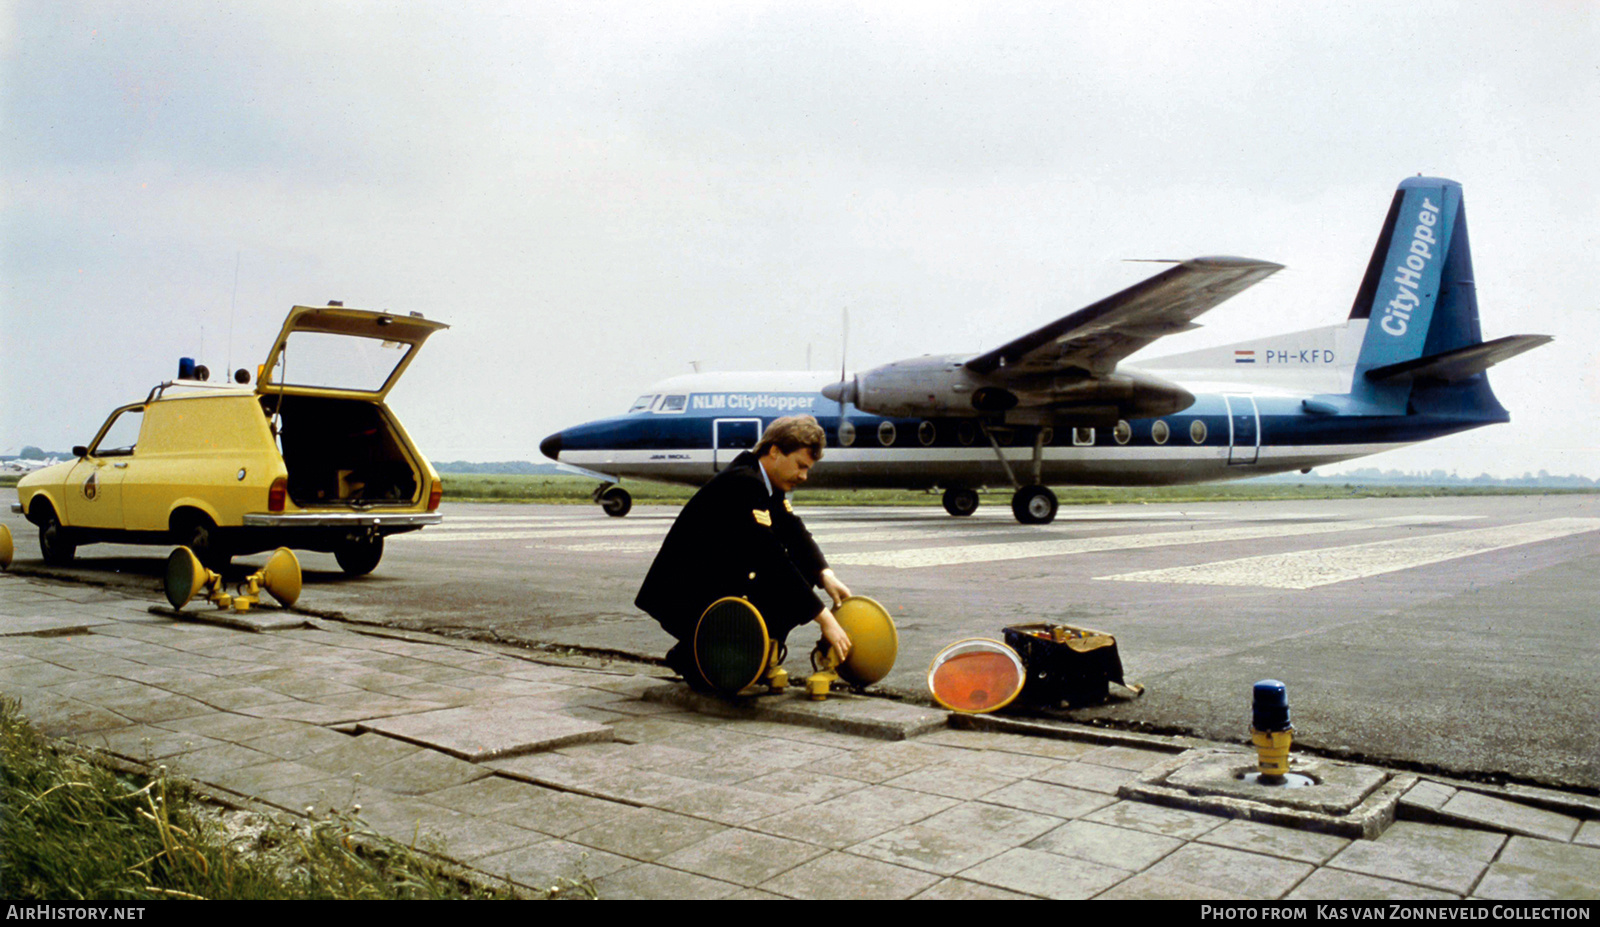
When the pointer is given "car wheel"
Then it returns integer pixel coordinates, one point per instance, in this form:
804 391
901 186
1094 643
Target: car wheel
359 556
960 502
55 544
201 536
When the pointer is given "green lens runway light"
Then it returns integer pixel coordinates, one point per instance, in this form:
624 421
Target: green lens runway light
186 577
731 647
976 675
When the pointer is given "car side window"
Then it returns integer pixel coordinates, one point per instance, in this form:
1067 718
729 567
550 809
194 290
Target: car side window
120 434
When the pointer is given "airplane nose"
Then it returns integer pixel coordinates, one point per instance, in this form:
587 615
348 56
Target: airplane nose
551 446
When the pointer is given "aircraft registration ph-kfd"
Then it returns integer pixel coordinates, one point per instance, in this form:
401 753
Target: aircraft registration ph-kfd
1059 406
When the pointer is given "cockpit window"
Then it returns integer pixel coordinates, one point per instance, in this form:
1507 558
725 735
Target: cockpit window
673 403
643 403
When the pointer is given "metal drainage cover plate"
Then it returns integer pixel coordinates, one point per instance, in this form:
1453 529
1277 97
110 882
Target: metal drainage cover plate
1353 801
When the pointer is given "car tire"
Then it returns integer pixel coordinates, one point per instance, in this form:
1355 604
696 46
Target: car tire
200 534
55 543
359 556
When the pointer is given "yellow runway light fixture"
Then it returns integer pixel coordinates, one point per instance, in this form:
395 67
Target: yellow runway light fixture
1270 729
976 675
6 548
732 649
186 577
874 644
280 577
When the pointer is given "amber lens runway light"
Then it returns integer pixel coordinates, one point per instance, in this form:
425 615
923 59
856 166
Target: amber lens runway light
976 675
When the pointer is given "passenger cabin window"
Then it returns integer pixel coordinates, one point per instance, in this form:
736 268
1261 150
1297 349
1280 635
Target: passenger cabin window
673 403
642 404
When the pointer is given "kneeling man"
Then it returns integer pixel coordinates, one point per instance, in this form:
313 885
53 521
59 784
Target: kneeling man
739 536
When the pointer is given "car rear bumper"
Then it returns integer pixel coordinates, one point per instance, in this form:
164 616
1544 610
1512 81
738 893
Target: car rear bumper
381 522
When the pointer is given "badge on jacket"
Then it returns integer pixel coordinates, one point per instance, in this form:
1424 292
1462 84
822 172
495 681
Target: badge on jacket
763 517
787 507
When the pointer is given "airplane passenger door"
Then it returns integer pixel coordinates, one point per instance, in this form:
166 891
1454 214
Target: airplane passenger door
1244 430
730 436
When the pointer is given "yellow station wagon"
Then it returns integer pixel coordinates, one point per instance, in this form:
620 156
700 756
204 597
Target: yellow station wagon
310 457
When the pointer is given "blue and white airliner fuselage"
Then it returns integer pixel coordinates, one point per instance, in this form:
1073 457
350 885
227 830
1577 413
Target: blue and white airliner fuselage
1058 407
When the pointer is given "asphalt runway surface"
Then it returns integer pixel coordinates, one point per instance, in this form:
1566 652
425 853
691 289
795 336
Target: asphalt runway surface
1452 634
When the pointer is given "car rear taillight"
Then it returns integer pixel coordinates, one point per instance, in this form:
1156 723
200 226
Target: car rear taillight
435 494
277 494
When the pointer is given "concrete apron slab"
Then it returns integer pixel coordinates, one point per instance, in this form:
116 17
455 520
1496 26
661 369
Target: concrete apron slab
42 626
260 618
491 730
1352 801
844 713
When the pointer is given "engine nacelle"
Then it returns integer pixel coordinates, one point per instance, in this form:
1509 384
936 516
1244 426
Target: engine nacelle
920 387
937 386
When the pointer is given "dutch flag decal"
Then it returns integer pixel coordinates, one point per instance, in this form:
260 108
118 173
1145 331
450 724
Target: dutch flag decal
1244 357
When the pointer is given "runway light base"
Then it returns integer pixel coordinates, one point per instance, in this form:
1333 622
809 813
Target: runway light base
1272 754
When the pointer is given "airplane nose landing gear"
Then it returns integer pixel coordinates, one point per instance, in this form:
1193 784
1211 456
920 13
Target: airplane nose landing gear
1034 505
960 502
613 499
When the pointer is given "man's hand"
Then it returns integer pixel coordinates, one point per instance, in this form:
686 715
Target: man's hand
836 590
833 633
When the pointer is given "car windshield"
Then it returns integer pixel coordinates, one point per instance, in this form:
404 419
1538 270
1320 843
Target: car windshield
328 361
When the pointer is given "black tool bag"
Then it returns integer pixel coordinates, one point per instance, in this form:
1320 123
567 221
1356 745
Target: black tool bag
1066 664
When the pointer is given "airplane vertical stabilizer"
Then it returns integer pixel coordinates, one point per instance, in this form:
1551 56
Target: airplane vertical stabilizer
1417 297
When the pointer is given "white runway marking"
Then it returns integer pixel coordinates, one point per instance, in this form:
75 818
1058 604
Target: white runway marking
1311 568
1020 550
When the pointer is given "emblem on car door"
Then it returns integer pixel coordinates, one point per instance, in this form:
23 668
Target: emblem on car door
90 487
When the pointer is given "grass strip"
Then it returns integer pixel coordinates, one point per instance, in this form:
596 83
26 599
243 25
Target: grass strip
75 830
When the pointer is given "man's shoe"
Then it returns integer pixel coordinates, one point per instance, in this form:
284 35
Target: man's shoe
680 659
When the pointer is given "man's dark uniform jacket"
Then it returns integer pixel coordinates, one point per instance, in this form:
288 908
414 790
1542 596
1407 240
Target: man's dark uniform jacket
735 538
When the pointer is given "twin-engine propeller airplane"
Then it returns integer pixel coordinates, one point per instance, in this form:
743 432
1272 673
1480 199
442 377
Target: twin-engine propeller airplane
1059 406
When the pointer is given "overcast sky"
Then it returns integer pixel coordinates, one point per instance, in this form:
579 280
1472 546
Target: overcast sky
594 195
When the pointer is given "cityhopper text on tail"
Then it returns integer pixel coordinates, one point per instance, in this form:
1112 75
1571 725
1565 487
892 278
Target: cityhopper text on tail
1058 406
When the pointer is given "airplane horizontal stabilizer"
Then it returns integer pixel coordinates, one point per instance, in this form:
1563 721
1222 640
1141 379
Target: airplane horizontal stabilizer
1459 364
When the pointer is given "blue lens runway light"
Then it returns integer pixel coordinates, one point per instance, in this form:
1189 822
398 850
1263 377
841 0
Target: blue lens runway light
1271 706
1271 731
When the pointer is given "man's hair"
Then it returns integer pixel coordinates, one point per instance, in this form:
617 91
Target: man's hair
790 434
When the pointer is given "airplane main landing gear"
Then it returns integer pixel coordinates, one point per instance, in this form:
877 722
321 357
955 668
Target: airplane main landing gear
1034 505
613 499
960 502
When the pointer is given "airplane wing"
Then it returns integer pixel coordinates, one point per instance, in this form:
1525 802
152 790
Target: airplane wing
1094 339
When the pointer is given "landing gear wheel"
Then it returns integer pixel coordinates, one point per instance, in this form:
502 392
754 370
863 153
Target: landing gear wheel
960 502
616 502
1034 505
54 543
359 555
200 535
